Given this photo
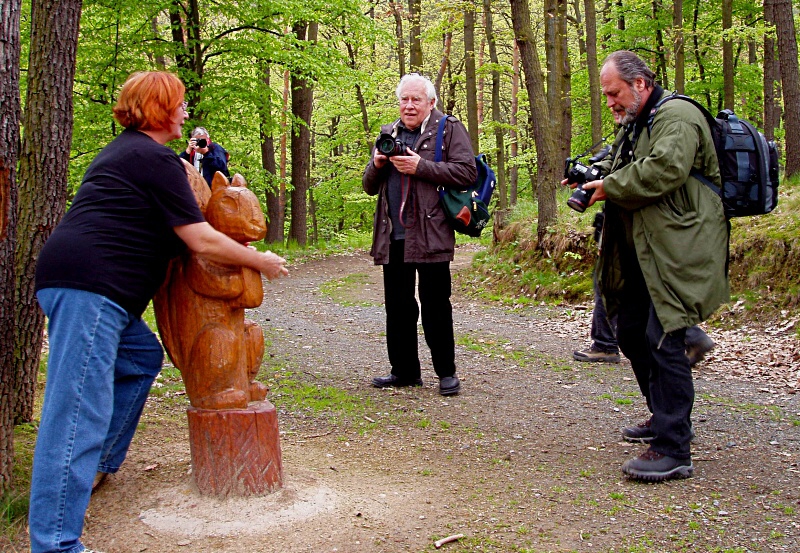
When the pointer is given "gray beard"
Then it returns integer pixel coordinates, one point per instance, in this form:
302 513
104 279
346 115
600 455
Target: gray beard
632 110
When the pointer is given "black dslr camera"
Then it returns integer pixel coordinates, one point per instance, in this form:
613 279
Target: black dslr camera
576 172
389 145
201 143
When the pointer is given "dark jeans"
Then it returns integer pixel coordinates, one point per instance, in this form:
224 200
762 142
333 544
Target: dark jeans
603 332
603 335
402 312
660 365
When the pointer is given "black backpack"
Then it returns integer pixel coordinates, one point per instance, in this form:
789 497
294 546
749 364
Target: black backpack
748 163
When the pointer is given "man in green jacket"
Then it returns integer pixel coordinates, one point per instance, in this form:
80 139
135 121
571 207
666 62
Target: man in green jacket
663 266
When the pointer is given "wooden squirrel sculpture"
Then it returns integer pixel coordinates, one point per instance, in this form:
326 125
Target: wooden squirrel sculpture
200 307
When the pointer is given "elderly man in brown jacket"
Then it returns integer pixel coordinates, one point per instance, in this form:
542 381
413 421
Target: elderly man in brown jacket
411 234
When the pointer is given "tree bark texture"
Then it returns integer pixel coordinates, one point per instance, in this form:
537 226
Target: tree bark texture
471 82
677 46
727 56
415 36
398 29
302 98
497 116
447 43
549 167
790 83
272 192
43 173
590 15
772 116
9 146
513 135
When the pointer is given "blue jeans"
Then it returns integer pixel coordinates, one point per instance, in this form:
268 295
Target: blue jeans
101 365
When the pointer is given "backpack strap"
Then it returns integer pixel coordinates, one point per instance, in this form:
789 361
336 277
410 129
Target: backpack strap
712 124
440 138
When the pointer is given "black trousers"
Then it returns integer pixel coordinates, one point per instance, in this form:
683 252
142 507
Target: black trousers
659 363
402 312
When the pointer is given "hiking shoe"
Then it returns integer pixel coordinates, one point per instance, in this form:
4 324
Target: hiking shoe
652 466
641 433
597 355
696 352
449 385
392 380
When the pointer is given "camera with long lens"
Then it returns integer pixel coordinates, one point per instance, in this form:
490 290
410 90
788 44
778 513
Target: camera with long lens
201 143
578 173
389 146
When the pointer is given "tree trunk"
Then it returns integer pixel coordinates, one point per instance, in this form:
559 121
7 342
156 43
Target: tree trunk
9 144
701 70
772 116
544 136
564 81
594 70
398 30
513 135
272 192
790 83
497 117
677 46
727 56
447 42
415 36
185 24
661 55
471 83
302 99
43 172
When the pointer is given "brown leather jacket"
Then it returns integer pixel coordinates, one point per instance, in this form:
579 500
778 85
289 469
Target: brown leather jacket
429 237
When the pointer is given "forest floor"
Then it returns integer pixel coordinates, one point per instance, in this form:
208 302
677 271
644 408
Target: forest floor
525 459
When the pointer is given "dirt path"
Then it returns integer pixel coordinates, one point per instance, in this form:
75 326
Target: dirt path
525 459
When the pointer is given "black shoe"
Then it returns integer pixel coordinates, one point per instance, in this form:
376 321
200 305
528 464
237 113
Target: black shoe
449 385
696 352
392 380
641 433
656 467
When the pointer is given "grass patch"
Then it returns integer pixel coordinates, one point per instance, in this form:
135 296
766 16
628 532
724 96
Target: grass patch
293 394
341 290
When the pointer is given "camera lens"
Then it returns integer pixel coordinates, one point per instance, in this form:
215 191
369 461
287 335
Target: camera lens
385 144
202 143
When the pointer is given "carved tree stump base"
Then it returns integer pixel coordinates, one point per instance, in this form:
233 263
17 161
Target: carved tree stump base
236 451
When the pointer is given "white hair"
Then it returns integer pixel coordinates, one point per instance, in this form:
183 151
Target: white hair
200 131
430 90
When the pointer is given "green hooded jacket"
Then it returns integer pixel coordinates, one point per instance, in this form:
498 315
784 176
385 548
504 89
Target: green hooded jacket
675 223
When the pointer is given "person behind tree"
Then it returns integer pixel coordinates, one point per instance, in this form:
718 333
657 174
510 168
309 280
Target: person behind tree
411 234
662 268
95 276
206 156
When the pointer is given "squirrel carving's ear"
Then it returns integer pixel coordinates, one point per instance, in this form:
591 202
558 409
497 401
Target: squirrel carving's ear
219 181
238 180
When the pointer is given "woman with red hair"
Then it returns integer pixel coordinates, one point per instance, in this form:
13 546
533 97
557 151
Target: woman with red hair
95 276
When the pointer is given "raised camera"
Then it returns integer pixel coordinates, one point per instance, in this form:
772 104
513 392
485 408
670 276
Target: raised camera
580 174
576 172
389 145
201 143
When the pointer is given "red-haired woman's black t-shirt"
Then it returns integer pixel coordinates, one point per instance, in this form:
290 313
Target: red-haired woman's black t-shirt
117 239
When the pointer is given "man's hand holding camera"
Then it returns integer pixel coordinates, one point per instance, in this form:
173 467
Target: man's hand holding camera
406 164
199 145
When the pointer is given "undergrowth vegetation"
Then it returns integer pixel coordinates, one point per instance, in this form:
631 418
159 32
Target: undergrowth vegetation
764 261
